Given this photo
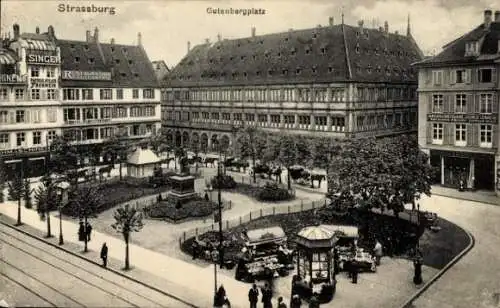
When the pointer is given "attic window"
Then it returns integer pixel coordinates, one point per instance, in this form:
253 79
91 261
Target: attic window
323 50
124 50
117 61
315 35
130 61
298 71
86 47
284 72
293 51
286 39
279 54
308 50
245 74
136 75
72 46
91 60
112 49
270 72
257 73
123 74
330 69
242 57
357 48
77 59
314 70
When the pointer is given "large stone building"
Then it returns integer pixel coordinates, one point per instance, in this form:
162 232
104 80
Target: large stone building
87 90
337 80
458 107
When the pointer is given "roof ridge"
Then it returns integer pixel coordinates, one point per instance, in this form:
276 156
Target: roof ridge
348 61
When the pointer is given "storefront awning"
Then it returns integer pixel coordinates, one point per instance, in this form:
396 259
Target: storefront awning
7 58
38 45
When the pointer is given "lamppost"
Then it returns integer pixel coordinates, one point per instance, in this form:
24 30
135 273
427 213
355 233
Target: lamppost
62 192
417 263
219 200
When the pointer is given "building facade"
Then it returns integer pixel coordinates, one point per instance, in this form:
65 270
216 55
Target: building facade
336 80
458 108
86 90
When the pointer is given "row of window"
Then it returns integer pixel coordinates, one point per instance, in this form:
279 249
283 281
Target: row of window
21 140
22 116
381 121
34 94
104 94
93 113
42 71
461 76
94 133
464 103
284 94
485 134
383 93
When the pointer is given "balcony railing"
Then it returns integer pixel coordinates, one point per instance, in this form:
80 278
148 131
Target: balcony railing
87 121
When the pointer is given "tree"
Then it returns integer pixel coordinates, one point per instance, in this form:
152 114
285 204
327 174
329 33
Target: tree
46 200
384 174
158 142
127 220
288 153
3 180
84 203
119 146
27 191
64 158
16 193
250 144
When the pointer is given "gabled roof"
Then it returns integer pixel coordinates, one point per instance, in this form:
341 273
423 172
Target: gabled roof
129 65
454 52
323 54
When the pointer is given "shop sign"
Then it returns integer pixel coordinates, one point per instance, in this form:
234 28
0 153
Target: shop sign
43 83
22 150
42 59
463 118
12 78
86 75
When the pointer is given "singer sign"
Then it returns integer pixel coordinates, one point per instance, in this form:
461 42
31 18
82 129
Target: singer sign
42 59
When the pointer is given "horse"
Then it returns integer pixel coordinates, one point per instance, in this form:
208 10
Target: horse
106 169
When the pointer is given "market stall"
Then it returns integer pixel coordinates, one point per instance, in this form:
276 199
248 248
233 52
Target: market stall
264 255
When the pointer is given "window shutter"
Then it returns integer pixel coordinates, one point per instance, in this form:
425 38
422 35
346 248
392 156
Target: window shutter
468 76
475 135
452 76
447 106
446 133
493 75
428 77
429 132
470 103
470 134
27 116
495 132
494 103
12 116
477 103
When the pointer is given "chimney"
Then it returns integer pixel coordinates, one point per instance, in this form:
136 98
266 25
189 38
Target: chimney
88 37
16 31
330 21
51 32
253 31
360 24
487 19
139 39
207 41
112 41
497 16
96 35
189 46
386 26
37 30
218 37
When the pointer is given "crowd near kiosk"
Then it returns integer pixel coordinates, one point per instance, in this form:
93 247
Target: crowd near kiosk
264 255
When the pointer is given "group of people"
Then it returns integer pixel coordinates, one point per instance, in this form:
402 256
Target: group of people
84 231
267 296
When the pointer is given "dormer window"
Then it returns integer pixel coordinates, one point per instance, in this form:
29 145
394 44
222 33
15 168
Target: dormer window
315 35
357 48
123 74
286 39
112 49
308 50
330 69
72 46
267 54
369 69
279 54
86 47
136 75
77 59
261 42
323 50
130 61
298 71
245 74
254 57
91 61
357 34
293 51
257 73
242 57
124 50
117 61
314 70
472 48
270 72
211 61
239 45
231 58
284 72
235 75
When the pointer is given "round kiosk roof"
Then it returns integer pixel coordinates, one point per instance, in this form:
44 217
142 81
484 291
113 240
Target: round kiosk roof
316 237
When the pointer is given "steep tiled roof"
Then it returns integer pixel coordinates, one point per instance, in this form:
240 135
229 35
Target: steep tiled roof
129 65
454 52
322 54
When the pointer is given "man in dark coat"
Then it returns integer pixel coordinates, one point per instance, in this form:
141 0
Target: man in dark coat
81 232
267 296
104 255
295 302
253 296
88 231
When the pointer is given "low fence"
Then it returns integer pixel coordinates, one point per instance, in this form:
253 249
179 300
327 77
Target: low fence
253 215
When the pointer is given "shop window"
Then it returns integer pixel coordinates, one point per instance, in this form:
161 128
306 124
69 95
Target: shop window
437 133
485 136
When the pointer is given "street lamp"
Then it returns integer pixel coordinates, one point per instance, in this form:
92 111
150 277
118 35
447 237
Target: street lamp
417 263
62 192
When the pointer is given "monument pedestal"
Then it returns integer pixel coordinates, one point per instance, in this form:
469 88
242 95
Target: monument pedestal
182 188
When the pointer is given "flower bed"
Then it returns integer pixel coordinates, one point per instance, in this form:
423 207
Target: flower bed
223 181
196 208
271 191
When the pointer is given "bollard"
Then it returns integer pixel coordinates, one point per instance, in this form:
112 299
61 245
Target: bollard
288 209
274 210
180 242
184 235
260 212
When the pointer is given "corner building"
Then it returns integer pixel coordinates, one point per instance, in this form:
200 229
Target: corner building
336 80
458 108
86 90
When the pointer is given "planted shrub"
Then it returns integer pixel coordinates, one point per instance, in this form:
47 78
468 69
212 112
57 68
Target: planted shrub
223 181
273 192
176 211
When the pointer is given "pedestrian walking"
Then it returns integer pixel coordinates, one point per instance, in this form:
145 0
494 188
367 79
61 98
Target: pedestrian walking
378 252
88 231
354 272
104 255
295 302
81 232
195 249
281 303
267 296
253 296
